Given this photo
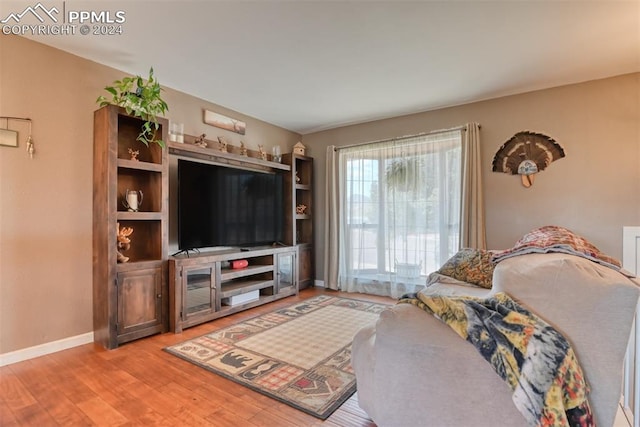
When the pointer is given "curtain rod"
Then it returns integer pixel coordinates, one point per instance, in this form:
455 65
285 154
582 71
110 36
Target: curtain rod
463 127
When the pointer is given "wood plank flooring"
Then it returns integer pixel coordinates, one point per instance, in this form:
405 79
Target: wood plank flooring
139 384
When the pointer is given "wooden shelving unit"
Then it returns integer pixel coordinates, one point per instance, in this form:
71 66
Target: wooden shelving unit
299 226
129 299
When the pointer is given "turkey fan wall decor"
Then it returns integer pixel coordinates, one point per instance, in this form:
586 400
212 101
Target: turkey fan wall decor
526 154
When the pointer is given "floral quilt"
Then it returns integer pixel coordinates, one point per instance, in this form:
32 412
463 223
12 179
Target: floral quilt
552 238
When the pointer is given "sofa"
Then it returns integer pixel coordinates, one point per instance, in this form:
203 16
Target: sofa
412 369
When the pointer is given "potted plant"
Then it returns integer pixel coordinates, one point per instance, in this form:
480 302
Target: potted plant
140 98
404 173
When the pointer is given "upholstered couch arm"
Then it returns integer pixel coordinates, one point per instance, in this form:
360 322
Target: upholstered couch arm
412 369
592 305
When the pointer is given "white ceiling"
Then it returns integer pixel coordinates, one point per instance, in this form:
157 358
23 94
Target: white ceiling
314 65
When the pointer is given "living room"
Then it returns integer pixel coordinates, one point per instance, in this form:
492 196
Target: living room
46 217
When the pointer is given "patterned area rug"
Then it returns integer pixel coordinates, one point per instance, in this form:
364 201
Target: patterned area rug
299 355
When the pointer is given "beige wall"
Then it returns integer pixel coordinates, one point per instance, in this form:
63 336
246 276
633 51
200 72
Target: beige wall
594 190
45 203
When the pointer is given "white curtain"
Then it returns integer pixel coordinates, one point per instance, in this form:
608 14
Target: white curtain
397 210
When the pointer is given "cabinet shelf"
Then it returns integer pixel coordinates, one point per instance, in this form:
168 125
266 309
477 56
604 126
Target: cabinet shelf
138 216
138 265
139 165
303 187
198 279
213 155
135 262
230 309
243 286
149 183
303 216
228 274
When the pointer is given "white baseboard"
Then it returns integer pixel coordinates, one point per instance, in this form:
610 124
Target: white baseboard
319 283
43 349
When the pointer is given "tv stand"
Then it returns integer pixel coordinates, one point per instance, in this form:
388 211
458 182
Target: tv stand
203 287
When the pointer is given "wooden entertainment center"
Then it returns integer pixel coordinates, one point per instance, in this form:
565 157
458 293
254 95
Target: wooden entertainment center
153 292
205 286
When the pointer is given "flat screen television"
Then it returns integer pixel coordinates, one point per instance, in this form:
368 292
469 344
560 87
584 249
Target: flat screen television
224 206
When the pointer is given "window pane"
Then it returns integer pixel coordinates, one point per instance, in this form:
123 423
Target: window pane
401 204
362 213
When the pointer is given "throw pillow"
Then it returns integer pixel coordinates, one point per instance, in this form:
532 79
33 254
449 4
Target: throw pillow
470 265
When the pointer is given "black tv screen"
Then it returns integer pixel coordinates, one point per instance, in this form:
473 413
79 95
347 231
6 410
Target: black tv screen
224 206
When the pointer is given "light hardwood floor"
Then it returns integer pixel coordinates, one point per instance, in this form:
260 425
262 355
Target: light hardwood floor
139 384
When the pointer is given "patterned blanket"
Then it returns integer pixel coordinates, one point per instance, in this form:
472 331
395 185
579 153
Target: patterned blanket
531 356
552 238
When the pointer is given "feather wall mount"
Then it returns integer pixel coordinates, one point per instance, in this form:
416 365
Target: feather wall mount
526 154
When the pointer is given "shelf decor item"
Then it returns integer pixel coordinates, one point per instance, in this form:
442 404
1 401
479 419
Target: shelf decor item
263 154
200 141
238 264
140 98
124 242
176 132
132 200
222 144
299 148
276 154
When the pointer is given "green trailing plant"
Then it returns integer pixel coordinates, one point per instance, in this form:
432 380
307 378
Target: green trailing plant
140 98
405 175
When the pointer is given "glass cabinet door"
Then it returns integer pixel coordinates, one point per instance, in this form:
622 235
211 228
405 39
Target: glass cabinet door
286 271
198 291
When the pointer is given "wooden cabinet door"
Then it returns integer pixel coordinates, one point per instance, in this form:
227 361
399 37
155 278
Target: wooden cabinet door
139 301
305 265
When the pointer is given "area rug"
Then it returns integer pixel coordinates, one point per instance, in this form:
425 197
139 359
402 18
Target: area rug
299 355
